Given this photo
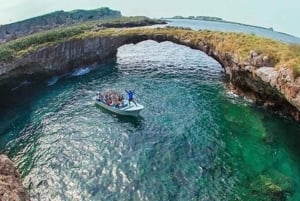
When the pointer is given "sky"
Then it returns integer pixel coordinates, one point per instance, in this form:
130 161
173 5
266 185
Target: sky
282 15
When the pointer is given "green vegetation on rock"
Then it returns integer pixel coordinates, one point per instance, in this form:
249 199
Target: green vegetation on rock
6 54
30 43
271 189
51 20
238 45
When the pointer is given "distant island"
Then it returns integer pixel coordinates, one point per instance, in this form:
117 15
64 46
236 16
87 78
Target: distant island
208 18
216 19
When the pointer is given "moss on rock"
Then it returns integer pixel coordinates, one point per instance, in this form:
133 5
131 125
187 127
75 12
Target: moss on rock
276 187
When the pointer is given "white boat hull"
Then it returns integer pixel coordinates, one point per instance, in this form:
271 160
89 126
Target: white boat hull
130 110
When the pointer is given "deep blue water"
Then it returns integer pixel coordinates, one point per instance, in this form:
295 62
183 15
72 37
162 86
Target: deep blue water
193 141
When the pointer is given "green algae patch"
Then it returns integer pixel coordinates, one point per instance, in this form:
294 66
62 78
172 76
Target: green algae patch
6 54
271 189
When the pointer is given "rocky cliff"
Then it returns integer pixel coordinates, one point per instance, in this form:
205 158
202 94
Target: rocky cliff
52 20
253 75
11 188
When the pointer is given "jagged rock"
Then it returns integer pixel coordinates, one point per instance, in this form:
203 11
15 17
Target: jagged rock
283 81
11 188
259 60
266 61
268 74
253 53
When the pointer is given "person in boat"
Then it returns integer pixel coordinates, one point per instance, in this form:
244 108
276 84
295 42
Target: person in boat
108 101
99 96
115 102
130 96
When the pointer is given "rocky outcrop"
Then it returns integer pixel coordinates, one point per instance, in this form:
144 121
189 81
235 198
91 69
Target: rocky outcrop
143 22
51 20
255 77
59 59
278 188
11 188
274 88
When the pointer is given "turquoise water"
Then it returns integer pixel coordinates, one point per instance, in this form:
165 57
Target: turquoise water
193 141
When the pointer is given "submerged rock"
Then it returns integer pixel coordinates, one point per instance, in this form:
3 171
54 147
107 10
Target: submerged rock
11 187
276 187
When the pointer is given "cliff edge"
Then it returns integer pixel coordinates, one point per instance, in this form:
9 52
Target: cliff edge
56 19
11 188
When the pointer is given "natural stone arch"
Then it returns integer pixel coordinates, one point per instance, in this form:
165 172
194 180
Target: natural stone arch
78 52
267 85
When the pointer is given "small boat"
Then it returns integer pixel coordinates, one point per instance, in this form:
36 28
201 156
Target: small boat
129 109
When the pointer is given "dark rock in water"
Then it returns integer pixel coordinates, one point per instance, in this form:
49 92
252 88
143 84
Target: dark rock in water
277 187
11 187
51 20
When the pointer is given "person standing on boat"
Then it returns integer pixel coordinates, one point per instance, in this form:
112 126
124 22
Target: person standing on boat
99 97
130 96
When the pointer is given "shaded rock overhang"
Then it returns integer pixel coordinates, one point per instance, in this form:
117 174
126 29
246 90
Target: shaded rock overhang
276 88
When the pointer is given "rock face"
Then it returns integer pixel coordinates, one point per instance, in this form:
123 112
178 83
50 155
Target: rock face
274 88
277 89
11 188
55 19
60 58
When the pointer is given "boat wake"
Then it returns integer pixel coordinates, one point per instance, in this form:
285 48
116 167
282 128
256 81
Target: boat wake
22 84
81 71
52 81
75 73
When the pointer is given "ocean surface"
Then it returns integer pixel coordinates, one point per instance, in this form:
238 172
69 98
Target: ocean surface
193 141
233 27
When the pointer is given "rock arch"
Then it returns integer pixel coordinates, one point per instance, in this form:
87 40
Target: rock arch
270 87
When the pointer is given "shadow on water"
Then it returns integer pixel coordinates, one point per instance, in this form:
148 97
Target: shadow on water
267 146
16 104
282 141
15 113
277 134
135 121
23 95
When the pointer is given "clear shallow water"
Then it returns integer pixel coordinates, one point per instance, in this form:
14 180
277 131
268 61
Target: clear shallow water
232 27
193 141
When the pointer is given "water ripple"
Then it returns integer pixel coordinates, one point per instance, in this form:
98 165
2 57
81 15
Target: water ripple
186 145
